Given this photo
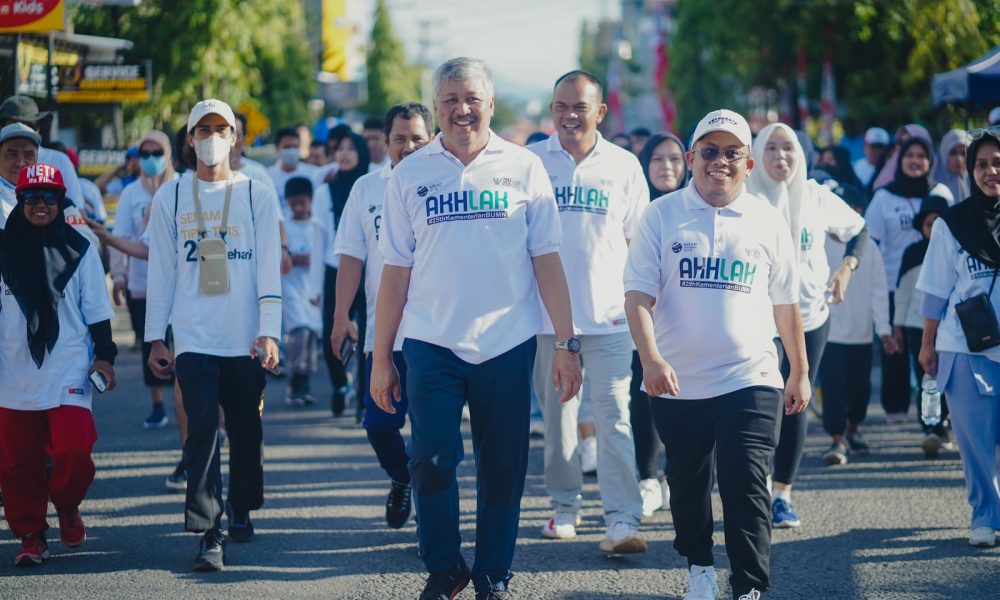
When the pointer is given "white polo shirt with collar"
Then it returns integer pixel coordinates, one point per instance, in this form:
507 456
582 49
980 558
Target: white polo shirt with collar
600 201
469 233
716 274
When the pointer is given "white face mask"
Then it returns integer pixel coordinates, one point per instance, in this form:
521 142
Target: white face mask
212 150
289 156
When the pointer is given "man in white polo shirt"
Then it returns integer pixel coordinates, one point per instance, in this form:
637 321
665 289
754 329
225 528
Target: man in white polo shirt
470 236
600 192
719 265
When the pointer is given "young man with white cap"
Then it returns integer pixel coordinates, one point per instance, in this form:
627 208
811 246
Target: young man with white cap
719 265
470 237
214 276
600 193
876 142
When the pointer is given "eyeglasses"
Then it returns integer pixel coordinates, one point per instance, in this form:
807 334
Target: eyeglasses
33 197
156 153
731 155
992 130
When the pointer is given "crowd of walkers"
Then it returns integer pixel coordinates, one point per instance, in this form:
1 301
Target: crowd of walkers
643 293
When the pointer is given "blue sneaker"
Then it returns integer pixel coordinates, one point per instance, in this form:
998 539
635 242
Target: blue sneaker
156 419
783 515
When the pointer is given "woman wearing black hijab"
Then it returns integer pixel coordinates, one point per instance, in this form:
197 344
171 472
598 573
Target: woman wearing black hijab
350 152
960 270
55 330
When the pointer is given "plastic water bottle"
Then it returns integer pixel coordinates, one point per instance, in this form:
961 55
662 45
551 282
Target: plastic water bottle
930 401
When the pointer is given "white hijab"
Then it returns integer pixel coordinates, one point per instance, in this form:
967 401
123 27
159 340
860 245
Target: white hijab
788 195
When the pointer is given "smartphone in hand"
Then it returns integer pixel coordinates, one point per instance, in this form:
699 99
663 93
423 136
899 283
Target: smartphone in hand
261 357
347 350
99 383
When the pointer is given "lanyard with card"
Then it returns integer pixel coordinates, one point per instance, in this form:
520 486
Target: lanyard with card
213 255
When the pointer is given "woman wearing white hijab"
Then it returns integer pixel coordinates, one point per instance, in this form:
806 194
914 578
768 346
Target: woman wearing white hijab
813 212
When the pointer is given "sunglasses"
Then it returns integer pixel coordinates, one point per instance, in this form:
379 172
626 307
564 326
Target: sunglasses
156 153
731 155
992 130
33 197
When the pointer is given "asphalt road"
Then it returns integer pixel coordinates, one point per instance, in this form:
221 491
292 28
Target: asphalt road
889 526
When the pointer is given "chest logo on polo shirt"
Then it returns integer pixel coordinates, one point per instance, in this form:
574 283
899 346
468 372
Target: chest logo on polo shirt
717 273
581 199
466 205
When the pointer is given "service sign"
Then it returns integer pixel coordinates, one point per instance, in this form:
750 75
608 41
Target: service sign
104 83
23 16
95 162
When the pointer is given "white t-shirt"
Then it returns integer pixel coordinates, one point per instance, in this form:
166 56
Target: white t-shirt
600 201
716 275
62 379
224 324
866 302
296 287
93 200
890 222
130 222
823 213
258 172
864 170
375 167
323 214
280 177
951 272
323 171
469 234
358 236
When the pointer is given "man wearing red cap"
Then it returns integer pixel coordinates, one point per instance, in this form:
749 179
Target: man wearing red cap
55 333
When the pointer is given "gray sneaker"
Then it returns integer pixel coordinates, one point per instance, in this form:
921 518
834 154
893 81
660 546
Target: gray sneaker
836 455
857 444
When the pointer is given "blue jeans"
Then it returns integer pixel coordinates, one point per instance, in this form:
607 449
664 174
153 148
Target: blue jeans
384 429
498 392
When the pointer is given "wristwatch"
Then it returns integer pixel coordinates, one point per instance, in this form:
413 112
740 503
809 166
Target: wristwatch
572 345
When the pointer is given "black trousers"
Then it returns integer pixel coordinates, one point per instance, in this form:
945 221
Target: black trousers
359 312
846 372
913 337
896 390
647 443
237 384
792 429
736 433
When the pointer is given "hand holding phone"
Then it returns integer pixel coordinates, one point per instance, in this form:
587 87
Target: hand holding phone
99 383
262 358
347 348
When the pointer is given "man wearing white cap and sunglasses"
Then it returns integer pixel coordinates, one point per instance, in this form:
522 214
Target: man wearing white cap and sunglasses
719 265
214 276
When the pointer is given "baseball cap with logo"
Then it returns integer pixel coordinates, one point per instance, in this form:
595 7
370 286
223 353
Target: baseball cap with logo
40 175
21 108
19 130
723 120
876 136
211 107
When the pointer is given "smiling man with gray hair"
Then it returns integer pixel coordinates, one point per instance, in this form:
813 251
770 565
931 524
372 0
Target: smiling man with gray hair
470 235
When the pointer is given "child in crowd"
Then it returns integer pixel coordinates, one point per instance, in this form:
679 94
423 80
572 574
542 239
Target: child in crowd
300 310
909 323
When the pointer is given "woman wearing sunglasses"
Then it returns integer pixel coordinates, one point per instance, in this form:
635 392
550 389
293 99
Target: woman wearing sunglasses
961 344
55 338
813 212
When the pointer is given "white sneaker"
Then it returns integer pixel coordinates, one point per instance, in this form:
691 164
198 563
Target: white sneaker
562 526
666 494
652 496
623 538
983 537
753 594
702 584
588 455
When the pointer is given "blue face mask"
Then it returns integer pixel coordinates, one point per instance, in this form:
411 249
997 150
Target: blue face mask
153 165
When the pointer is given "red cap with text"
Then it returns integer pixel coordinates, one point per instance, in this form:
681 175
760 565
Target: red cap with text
40 175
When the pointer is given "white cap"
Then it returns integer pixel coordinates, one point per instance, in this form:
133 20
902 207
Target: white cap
211 107
723 120
877 135
20 130
994 118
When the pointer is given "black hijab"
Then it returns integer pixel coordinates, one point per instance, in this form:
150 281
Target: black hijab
975 222
647 155
905 186
842 170
37 263
343 181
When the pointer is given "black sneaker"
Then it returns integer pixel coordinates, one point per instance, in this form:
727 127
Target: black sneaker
211 551
857 444
338 402
447 585
398 505
240 527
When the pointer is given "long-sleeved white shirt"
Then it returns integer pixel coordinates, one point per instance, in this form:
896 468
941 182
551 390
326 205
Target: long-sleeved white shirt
130 222
224 324
866 302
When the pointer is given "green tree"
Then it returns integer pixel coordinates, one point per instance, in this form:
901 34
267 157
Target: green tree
391 79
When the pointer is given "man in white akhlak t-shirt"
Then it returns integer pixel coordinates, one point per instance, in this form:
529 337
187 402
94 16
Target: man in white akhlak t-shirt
286 141
357 246
600 192
225 335
470 236
720 267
